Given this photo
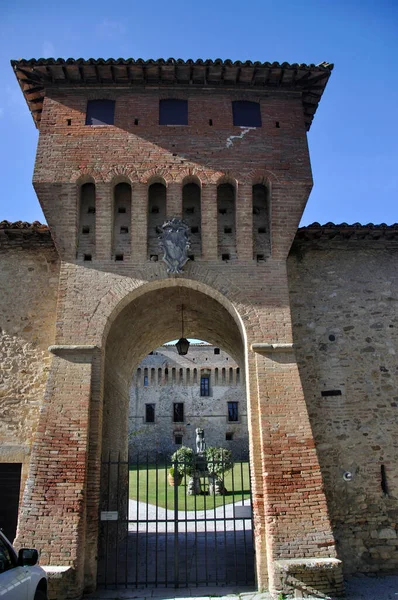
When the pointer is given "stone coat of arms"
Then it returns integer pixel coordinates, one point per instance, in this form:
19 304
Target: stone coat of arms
174 242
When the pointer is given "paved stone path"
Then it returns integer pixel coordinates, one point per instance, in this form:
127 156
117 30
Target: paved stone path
151 518
357 588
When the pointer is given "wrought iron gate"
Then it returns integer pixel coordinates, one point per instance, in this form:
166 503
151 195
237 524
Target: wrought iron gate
154 533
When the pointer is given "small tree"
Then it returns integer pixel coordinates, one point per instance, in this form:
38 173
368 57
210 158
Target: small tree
219 461
185 458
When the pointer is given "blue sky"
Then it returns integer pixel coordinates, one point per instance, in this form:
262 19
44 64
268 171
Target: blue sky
354 137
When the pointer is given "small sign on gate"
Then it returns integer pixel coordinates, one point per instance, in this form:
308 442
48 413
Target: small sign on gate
109 515
243 512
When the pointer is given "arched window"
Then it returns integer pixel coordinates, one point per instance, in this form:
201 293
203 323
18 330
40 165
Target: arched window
86 232
261 233
226 222
156 217
192 216
121 221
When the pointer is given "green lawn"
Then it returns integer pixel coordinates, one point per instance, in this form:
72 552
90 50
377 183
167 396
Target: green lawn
143 484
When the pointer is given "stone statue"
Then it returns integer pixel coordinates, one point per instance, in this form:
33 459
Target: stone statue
200 440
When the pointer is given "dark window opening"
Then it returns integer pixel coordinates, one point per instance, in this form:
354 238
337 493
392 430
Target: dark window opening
87 257
149 413
178 439
91 210
277 124
155 210
194 229
121 210
154 258
223 211
384 486
225 256
205 385
261 230
227 230
229 436
124 229
119 257
260 257
85 229
100 112
216 350
190 210
191 257
69 122
173 112
331 393
246 114
135 121
233 411
211 122
146 382
178 412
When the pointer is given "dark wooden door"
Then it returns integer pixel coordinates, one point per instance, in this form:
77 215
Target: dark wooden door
10 483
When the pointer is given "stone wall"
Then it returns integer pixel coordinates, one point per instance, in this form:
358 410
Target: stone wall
29 269
164 378
344 299
343 294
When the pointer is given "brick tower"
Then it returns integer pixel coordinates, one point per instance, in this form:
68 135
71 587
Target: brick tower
125 145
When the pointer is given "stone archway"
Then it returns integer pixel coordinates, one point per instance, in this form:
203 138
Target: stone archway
152 317
149 320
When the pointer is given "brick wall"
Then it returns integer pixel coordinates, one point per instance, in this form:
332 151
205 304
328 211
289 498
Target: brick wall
28 262
111 313
149 153
343 297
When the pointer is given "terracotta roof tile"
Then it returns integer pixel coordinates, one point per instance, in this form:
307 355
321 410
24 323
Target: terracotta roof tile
35 75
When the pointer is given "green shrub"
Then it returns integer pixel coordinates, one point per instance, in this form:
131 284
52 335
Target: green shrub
219 461
185 459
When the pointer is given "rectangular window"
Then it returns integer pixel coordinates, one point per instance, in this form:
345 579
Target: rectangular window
246 114
100 112
233 411
178 412
149 413
205 385
173 112
145 380
178 440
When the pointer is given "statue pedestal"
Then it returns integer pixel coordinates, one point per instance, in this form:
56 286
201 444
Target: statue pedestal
194 486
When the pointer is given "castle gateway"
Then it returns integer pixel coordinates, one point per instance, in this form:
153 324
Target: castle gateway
212 158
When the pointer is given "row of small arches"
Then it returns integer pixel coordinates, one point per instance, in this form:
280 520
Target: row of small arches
145 377
157 214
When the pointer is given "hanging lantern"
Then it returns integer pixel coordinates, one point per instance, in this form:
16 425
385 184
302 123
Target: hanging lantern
182 345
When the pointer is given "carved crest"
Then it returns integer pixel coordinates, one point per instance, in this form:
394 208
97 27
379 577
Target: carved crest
174 242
